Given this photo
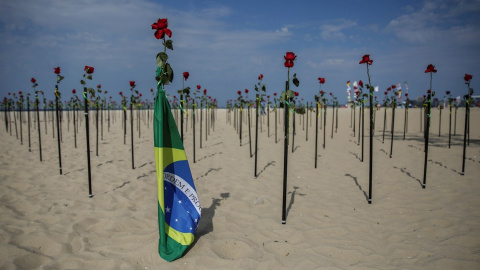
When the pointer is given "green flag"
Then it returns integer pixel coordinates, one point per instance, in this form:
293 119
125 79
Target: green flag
179 209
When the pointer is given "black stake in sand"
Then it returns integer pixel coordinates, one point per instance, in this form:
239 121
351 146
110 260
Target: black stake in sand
285 154
427 130
58 129
37 104
256 134
394 104
87 130
316 131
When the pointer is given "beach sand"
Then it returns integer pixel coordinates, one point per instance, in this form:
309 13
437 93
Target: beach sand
49 221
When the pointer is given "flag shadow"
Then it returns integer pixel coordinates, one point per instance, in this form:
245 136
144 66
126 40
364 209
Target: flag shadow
206 222
359 187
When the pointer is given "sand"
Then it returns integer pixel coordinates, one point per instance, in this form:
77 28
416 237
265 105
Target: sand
49 221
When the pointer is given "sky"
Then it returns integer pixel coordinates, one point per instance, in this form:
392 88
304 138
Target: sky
225 45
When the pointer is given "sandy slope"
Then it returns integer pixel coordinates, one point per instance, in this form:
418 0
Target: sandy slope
48 220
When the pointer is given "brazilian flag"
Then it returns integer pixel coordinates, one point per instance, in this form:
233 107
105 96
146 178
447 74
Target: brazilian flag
179 209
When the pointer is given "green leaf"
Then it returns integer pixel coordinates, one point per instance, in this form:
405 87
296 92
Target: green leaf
256 88
82 82
300 110
163 56
290 93
264 88
169 44
161 59
169 72
89 77
295 81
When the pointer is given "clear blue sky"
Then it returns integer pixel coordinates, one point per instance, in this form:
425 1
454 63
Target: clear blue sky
225 45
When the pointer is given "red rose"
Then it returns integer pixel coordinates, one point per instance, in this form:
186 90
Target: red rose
321 80
360 83
429 91
288 63
386 92
424 96
121 93
430 68
275 94
161 27
296 94
19 92
9 93
448 92
331 94
467 77
406 94
389 88
33 80
246 91
289 58
74 91
366 59
239 92
185 75
321 92
56 70
106 92
198 86
204 91
151 90
99 86
88 69
132 83
268 96
260 77
140 94
393 86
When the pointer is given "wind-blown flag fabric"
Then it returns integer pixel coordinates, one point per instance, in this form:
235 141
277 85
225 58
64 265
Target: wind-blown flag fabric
179 209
